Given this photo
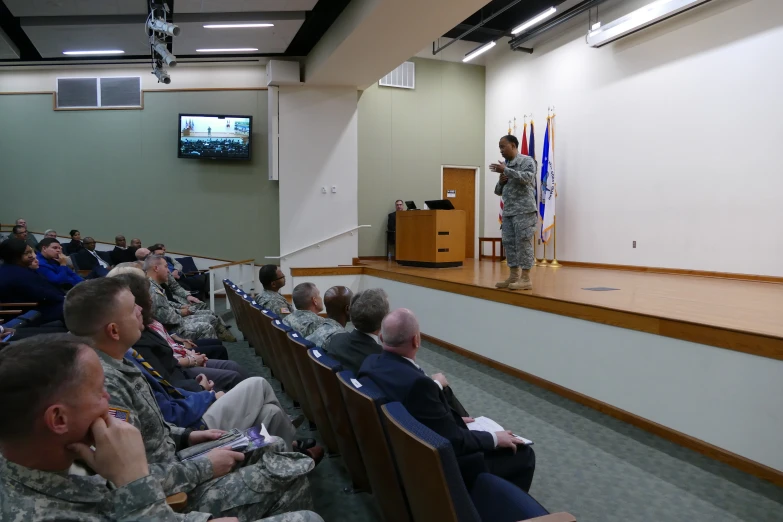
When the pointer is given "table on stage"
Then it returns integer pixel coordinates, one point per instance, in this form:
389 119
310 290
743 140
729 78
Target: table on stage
431 238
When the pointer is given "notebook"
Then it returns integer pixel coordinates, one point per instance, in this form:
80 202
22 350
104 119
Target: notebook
488 425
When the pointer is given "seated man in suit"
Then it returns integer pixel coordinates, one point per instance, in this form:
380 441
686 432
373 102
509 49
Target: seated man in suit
52 264
272 279
29 238
121 252
391 222
54 408
338 303
308 303
399 377
88 259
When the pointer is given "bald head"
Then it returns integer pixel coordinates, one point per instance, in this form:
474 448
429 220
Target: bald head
337 301
142 254
400 333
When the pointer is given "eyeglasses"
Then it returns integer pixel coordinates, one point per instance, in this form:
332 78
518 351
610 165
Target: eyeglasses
279 278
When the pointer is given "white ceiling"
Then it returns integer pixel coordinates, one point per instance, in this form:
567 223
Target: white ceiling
52 40
235 6
270 39
75 7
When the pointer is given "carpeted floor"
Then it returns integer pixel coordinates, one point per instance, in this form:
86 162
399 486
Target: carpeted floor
591 465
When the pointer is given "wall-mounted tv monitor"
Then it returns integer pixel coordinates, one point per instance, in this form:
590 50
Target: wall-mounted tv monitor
206 136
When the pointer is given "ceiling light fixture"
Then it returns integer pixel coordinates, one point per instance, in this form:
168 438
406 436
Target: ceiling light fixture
236 26
646 16
481 50
533 21
93 52
236 50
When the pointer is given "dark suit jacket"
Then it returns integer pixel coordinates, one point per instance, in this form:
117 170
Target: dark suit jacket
119 255
20 284
352 348
74 246
159 354
391 223
401 381
86 261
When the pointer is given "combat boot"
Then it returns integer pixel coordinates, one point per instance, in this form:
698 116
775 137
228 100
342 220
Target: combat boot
523 282
504 284
224 335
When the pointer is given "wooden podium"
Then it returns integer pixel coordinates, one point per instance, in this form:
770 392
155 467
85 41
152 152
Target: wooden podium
431 238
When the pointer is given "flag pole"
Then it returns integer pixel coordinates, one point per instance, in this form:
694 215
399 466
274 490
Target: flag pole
554 263
543 261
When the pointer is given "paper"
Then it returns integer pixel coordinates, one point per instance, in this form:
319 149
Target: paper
356 383
316 353
451 193
490 426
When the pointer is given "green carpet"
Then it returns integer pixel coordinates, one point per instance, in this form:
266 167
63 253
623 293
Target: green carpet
595 467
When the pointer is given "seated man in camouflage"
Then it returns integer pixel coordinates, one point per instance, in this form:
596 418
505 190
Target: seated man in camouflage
268 481
308 303
338 303
201 324
272 279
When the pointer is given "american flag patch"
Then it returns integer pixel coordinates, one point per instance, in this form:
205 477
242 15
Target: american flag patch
119 414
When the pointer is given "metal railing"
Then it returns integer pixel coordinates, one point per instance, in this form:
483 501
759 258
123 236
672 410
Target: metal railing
242 273
318 243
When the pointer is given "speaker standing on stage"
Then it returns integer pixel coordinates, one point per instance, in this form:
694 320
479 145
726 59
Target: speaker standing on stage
517 187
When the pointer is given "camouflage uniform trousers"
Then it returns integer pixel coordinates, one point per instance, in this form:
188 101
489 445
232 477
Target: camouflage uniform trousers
278 485
298 516
517 232
196 327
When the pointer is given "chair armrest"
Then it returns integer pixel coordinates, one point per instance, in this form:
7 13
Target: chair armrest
197 272
554 517
19 305
84 273
10 312
177 501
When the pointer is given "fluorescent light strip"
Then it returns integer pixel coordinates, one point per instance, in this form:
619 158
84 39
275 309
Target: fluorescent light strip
237 50
481 50
533 21
93 52
236 26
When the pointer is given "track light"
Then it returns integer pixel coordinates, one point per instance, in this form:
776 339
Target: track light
161 74
162 26
533 21
160 48
481 50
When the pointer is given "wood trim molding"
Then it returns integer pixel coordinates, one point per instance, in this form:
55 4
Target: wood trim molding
705 448
327 271
675 271
232 263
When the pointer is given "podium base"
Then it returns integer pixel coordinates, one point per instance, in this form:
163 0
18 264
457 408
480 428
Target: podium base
428 264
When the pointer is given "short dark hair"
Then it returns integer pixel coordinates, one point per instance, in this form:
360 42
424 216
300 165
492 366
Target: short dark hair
73 232
302 294
267 274
45 242
140 288
90 304
368 308
396 200
12 250
18 228
511 139
156 246
33 372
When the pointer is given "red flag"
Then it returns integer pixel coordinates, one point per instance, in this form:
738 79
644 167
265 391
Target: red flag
524 140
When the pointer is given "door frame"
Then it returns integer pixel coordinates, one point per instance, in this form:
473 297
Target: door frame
476 184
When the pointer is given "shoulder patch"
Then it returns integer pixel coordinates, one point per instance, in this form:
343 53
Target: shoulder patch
119 414
285 311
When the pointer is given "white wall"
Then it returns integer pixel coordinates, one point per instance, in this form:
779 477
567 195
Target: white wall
318 148
669 137
723 397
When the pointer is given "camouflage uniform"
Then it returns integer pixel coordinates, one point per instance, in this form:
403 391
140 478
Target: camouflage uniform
181 299
270 481
198 326
29 495
520 215
304 321
323 334
274 302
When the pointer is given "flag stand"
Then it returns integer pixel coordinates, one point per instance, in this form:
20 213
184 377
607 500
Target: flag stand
554 263
542 261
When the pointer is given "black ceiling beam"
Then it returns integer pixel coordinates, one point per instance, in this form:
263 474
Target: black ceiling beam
316 23
13 29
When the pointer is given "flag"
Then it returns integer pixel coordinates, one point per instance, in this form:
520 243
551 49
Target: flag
500 212
548 196
532 140
523 150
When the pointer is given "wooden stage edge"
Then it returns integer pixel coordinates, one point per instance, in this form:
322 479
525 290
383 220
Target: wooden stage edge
705 448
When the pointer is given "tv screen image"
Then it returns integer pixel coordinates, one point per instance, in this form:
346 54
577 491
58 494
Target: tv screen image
215 136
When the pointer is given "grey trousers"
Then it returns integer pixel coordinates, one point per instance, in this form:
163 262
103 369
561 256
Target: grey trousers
225 374
517 232
251 403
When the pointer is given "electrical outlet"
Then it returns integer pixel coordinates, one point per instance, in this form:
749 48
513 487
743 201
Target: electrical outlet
634 244
323 190
334 189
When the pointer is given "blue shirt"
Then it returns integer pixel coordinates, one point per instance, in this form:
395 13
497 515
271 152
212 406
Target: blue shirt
56 273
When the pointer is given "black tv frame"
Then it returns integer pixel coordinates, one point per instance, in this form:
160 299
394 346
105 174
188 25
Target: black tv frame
222 116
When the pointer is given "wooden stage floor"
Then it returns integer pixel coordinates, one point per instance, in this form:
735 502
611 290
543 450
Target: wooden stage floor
748 307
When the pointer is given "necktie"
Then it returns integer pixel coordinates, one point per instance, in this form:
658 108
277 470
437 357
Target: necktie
170 389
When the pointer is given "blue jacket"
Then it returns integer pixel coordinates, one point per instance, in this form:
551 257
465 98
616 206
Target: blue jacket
21 284
402 381
56 273
185 413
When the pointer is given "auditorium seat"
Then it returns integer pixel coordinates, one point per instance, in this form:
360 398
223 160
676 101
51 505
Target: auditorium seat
292 380
363 400
189 267
298 347
434 486
325 369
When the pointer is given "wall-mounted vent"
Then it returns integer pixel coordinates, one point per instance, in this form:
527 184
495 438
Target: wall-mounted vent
403 77
96 93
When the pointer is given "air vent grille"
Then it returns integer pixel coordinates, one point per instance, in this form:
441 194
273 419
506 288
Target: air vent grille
403 77
95 93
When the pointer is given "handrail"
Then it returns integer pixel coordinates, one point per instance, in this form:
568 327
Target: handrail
232 264
317 242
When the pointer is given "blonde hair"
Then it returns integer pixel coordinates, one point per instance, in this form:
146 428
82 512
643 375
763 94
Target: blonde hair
119 270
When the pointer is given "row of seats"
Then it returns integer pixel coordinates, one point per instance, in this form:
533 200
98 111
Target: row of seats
411 471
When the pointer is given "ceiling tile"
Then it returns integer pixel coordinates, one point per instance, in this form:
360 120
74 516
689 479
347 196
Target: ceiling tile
267 40
8 51
238 6
75 7
52 40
